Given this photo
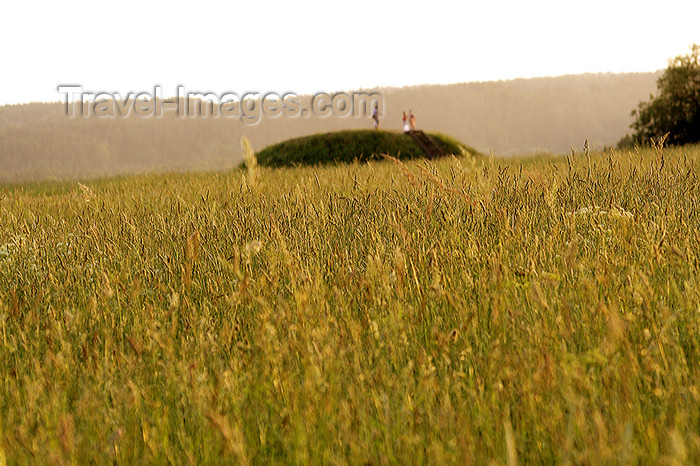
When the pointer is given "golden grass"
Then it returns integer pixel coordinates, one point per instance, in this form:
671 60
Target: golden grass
532 310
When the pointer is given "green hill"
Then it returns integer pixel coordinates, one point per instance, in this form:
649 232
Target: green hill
348 146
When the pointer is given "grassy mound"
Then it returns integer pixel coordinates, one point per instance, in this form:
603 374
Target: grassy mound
348 146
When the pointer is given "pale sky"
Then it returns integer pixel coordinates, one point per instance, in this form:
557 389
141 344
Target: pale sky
309 47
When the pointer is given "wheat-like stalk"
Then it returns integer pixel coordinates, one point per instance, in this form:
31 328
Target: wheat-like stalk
251 162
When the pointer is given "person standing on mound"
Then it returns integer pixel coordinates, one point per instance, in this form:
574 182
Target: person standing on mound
412 120
375 116
404 122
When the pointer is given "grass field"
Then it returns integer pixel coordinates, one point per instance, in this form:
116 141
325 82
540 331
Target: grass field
460 311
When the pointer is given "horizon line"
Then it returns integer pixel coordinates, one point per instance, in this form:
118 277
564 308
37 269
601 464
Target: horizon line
396 87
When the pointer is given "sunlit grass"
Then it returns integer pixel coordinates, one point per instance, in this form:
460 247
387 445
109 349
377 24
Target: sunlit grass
465 310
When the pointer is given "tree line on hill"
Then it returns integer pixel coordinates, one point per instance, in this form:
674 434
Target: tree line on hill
38 141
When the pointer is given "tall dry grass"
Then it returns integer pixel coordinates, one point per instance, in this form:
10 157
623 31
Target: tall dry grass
531 310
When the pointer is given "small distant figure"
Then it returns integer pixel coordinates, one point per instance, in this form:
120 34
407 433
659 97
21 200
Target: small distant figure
412 120
404 122
375 116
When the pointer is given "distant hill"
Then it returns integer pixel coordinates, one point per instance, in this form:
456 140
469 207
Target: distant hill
531 115
348 146
38 141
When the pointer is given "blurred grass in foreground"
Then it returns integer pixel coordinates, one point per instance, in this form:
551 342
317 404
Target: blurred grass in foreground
536 310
